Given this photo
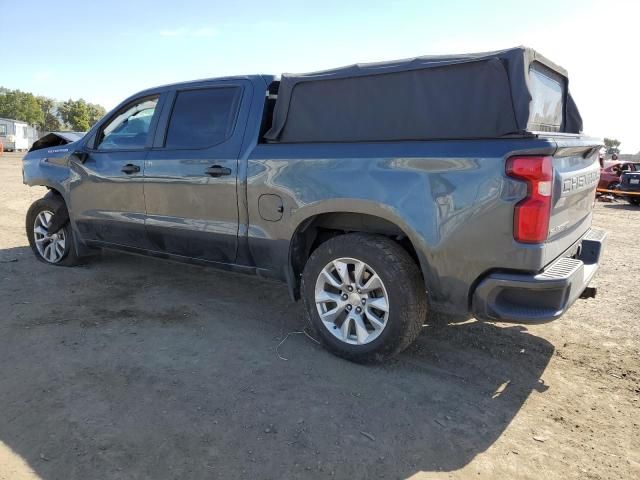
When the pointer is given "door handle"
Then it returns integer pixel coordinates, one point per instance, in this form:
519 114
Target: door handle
130 168
218 171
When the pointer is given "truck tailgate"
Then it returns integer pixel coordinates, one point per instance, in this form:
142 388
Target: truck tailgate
576 175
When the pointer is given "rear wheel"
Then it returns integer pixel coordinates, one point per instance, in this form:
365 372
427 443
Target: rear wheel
364 296
54 248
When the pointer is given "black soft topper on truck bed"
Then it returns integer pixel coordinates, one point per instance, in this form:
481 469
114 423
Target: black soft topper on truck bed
482 95
382 194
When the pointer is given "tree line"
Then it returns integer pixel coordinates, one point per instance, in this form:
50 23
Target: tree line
612 145
47 114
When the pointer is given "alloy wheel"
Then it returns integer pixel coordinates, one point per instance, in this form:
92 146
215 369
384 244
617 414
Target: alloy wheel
51 247
352 301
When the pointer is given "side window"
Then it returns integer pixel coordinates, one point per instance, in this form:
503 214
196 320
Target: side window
202 118
3 130
130 128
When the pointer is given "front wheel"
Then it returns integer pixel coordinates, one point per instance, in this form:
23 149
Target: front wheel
54 248
364 296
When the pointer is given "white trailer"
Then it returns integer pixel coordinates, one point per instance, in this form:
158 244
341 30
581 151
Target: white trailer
16 136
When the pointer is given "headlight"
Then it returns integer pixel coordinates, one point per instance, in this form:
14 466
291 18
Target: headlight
11 138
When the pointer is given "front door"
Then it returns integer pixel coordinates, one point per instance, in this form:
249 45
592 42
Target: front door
190 174
106 190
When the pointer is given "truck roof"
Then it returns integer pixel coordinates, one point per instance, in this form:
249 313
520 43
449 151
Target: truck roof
267 79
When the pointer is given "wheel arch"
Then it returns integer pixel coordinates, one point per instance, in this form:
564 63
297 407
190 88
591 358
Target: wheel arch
54 188
57 190
51 191
320 224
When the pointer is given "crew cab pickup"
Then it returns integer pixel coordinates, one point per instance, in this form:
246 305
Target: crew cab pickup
382 194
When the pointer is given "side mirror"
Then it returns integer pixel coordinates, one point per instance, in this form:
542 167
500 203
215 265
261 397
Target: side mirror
81 155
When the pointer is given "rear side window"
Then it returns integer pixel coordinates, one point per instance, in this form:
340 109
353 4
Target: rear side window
3 130
547 102
202 118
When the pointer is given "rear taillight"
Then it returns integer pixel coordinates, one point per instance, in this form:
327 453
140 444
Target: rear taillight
531 215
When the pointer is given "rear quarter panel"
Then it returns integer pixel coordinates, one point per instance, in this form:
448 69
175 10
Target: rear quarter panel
452 199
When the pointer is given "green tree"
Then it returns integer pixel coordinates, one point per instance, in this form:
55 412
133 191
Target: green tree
75 113
21 106
96 112
79 114
46 113
612 145
50 122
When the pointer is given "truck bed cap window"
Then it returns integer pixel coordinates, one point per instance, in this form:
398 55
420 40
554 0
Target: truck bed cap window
547 95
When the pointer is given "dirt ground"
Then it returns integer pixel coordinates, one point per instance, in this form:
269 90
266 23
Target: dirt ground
131 368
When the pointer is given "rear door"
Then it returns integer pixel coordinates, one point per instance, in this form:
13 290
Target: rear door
191 173
107 197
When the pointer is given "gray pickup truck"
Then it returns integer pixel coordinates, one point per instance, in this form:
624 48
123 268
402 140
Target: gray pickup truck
382 194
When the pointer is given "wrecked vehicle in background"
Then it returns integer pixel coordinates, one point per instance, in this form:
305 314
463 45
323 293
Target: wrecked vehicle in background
630 186
612 171
382 194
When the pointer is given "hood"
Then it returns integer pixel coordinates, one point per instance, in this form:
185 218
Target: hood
56 139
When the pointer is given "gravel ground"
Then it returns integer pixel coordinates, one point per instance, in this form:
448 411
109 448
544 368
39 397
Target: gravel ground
131 367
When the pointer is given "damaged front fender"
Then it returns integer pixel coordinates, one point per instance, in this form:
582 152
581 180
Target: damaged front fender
56 139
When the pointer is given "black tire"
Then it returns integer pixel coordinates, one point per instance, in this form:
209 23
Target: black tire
634 201
51 203
404 287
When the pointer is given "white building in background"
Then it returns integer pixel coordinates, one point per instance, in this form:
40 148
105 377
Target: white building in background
16 136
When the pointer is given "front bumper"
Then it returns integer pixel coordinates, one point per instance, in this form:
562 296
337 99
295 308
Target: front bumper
528 298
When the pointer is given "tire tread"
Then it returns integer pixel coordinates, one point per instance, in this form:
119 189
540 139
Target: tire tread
404 272
50 202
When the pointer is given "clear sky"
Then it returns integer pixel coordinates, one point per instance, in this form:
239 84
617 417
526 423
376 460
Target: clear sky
103 51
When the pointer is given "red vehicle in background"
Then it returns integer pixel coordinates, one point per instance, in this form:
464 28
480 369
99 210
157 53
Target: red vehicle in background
611 172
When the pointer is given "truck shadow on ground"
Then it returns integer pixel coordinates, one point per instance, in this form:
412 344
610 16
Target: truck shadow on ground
138 368
622 206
